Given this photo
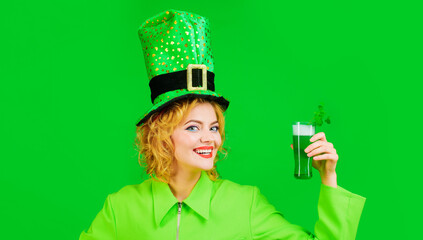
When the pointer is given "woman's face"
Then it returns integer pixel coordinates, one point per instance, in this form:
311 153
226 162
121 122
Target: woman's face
196 139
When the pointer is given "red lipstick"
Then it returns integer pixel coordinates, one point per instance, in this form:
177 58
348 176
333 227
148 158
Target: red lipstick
204 151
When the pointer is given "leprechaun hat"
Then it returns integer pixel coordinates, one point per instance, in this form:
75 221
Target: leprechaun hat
178 58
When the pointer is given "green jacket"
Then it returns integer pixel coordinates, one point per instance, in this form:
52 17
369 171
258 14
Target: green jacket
217 210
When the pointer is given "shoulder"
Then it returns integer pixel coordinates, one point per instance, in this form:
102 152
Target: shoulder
228 196
132 192
234 190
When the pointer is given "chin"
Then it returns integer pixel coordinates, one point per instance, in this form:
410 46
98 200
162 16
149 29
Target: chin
207 165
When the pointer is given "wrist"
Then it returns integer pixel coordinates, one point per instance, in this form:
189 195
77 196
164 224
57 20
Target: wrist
329 179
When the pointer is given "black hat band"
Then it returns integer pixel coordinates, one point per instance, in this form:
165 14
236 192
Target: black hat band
178 80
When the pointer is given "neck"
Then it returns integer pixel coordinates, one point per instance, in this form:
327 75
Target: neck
181 184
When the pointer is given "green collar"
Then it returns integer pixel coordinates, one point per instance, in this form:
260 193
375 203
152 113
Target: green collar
198 200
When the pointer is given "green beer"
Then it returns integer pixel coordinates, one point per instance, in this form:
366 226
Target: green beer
302 132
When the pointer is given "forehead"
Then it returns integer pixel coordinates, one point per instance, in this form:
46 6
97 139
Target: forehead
203 112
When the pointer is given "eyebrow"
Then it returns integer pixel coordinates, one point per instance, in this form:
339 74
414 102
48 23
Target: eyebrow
197 121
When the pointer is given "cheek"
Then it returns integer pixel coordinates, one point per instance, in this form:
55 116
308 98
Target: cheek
184 141
218 141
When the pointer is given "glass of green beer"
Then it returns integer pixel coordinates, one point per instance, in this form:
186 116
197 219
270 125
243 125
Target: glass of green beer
302 132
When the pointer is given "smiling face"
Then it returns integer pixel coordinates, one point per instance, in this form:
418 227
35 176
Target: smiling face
196 139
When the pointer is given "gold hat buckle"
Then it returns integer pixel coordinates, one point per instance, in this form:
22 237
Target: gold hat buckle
189 76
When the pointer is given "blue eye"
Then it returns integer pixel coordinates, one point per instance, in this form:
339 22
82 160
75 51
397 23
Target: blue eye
215 128
192 128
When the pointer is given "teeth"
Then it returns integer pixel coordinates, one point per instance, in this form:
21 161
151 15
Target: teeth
203 151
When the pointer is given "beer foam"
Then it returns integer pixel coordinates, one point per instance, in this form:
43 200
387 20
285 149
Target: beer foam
303 130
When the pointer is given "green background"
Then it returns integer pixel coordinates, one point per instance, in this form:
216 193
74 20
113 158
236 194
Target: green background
73 85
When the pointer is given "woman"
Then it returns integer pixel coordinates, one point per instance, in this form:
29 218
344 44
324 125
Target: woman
179 138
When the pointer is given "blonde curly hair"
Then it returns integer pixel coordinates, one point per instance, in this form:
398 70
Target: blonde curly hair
155 147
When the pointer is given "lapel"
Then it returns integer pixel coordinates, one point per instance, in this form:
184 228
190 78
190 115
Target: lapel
198 200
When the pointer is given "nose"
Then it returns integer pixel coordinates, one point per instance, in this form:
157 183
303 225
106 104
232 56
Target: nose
206 137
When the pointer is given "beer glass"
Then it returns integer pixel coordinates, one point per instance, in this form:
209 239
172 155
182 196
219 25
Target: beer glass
302 132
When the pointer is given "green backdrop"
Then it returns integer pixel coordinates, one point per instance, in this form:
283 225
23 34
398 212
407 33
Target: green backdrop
73 85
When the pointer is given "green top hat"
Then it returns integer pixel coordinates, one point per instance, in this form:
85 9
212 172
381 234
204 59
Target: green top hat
178 58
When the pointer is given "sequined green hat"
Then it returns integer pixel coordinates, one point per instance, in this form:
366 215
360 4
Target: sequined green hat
178 58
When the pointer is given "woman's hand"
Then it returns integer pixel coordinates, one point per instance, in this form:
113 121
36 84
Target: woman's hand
324 158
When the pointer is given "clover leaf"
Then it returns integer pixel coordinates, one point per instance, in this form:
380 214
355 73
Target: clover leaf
319 117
